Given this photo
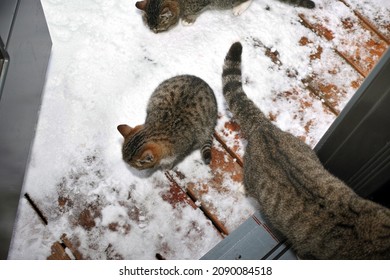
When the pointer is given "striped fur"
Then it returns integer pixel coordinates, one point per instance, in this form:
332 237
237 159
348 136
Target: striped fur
181 117
161 15
301 3
320 216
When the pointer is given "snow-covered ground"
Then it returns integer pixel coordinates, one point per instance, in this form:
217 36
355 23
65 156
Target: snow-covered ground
105 64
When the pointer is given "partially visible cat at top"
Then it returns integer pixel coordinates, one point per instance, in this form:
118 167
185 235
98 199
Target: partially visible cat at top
319 215
181 117
161 15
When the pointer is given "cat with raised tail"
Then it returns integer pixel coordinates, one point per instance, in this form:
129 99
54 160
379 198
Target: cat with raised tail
181 117
316 212
161 15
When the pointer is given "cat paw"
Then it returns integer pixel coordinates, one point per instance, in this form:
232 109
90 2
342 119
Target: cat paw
241 189
188 20
207 161
187 23
238 10
207 158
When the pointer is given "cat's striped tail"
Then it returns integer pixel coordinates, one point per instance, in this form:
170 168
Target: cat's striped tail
243 109
231 75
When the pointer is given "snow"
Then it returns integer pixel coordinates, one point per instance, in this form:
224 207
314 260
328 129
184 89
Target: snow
377 11
104 66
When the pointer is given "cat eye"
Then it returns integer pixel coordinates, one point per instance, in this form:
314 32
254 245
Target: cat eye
147 159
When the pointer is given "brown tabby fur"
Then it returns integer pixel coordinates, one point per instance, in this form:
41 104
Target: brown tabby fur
318 214
161 15
181 117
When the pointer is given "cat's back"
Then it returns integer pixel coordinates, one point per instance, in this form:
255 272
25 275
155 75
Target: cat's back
180 95
349 227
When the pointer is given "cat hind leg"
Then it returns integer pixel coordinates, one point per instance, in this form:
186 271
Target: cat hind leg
206 151
239 9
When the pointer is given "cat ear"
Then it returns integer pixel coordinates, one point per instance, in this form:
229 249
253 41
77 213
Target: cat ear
166 13
124 129
141 5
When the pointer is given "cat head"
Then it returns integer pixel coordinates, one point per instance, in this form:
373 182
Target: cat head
160 15
136 150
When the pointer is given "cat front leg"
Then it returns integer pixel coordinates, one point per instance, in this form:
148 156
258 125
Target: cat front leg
167 163
238 10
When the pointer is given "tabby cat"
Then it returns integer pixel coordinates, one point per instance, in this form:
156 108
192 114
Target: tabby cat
318 214
181 117
160 15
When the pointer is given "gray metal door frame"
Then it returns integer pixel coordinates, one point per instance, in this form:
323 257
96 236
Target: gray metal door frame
26 48
356 147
